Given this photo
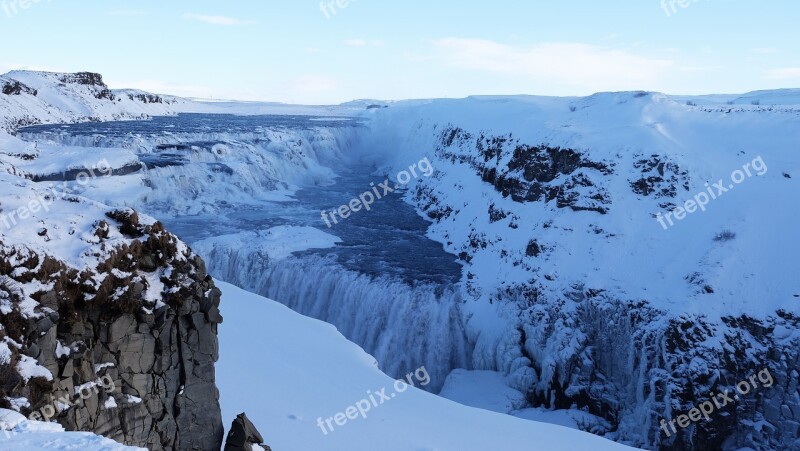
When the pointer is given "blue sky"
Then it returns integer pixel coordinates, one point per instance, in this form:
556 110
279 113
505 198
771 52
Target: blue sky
292 51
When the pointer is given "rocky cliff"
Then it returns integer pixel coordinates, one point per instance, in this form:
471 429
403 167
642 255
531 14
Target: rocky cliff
143 321
108 323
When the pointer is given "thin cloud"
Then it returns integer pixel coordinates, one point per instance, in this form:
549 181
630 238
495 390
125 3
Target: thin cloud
786 73
217 20
573 64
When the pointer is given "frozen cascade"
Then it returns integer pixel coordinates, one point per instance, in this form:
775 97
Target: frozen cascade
403 327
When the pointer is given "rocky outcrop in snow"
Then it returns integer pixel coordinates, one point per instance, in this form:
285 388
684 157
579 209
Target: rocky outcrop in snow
30 98
145 318
244 436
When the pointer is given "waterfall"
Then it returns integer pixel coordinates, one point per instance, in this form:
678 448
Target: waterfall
404 327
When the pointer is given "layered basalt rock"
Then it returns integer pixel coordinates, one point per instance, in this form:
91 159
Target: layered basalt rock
90 79
145 318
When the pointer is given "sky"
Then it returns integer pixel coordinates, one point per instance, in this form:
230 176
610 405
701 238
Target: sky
305 51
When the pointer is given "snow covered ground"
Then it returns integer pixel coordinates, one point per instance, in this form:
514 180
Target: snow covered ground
19 434
304 370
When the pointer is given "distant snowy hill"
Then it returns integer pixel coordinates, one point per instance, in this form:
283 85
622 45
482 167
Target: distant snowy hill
28 98
37 97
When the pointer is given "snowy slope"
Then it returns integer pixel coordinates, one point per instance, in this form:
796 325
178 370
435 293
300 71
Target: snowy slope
28 97
307 370
17 434
43 97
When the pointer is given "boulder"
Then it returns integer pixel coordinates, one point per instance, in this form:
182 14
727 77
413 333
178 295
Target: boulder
244 436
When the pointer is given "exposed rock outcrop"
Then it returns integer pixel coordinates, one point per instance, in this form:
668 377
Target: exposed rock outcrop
145 97
15 88
530 173
84 78
244 435
90 79
144 322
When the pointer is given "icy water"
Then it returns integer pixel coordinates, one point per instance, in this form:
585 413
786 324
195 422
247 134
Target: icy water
189 124
389 240
386 286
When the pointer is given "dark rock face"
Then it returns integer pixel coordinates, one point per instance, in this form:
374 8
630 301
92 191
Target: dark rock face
529 173
243 435
84 78
660 178
160 354
15 88
146 98
90 79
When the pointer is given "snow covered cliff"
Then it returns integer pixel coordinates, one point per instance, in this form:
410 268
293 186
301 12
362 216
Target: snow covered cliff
41 97
564 212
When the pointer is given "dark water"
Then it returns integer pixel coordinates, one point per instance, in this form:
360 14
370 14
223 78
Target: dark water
191 123
387 240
